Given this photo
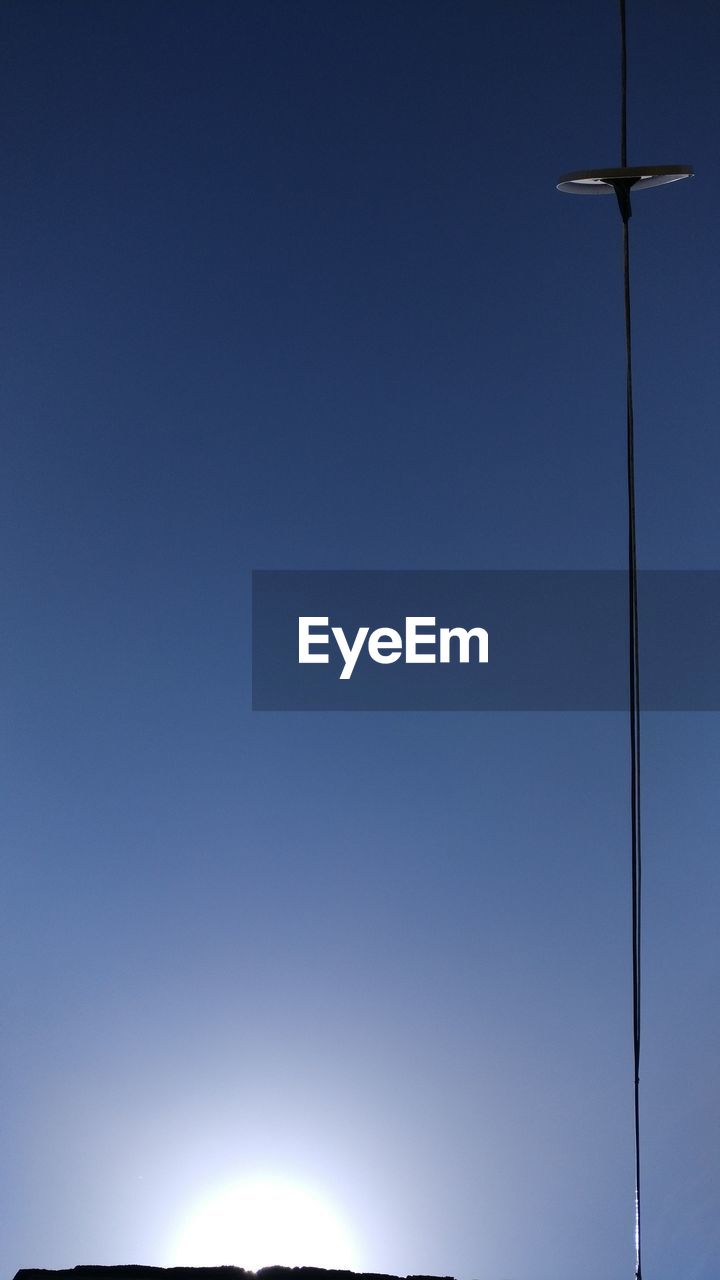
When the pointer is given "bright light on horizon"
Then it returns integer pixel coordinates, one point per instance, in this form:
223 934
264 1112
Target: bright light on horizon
265 1221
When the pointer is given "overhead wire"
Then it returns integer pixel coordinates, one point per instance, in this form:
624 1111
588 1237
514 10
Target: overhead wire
633 647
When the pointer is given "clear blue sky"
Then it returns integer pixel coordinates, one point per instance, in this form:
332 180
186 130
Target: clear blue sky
287 284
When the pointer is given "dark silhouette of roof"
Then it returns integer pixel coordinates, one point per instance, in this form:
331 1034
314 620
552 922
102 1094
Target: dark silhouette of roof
134 1272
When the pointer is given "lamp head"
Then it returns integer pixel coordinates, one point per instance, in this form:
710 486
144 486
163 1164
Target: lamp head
604 182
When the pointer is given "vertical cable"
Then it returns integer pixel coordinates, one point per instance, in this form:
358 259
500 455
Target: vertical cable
623 88
636 862
633 646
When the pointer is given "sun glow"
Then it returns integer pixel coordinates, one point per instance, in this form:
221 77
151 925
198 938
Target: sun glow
261 1222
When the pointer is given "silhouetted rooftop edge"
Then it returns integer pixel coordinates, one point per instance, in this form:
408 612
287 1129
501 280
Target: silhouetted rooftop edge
135 1271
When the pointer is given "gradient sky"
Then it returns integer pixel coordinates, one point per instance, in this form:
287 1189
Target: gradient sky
287 284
